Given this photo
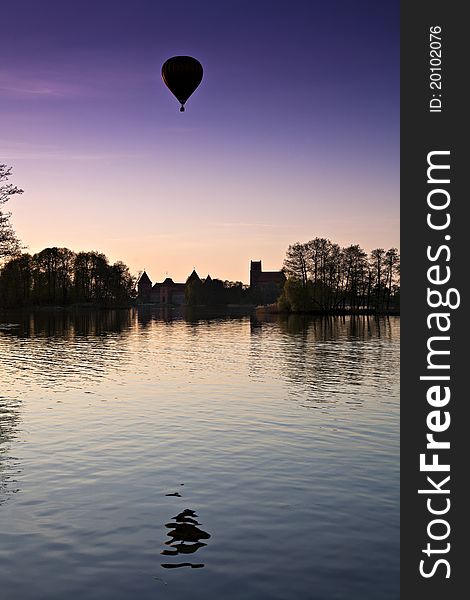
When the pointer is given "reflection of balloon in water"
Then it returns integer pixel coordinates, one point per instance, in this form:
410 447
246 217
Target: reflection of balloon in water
184 530
182 75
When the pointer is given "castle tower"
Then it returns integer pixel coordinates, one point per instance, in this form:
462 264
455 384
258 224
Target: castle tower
193 277
255 272
144 287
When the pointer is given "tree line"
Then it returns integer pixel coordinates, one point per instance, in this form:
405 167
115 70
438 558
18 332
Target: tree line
322 276
59 276
215 292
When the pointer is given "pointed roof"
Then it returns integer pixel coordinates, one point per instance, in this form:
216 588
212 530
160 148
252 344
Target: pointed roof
168 281
193 277
208 279
144 278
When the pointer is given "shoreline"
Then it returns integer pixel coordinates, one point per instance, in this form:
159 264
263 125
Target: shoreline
229 309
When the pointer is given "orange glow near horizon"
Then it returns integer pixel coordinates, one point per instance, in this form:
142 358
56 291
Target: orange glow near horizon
268 152
206 224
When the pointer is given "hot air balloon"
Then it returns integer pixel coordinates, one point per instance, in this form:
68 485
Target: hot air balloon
182 75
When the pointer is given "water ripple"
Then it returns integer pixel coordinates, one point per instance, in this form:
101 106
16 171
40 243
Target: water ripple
282 434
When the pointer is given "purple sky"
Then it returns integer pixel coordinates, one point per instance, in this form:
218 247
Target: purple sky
293 133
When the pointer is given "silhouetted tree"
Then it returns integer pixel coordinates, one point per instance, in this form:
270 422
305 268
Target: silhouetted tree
297 297
296 263
355 262
377 259
324 267
322 276
59 276
121 283
392 273
9 243
52 271
235 292
215 292
16 281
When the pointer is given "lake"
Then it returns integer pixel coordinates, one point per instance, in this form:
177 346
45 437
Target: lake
163 455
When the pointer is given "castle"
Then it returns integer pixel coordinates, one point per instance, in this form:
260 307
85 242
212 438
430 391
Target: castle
265 283
260 279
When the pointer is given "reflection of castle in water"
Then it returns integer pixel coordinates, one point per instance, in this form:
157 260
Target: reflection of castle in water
185 537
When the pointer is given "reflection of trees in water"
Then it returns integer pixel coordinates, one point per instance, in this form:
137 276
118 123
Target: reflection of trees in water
9 466
323 354
58 346
330 327
185 539
79 323
69 324
70 348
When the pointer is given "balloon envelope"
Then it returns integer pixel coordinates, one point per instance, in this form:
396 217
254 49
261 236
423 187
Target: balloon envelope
182 75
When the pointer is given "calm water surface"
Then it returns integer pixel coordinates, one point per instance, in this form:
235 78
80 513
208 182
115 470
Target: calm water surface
280 439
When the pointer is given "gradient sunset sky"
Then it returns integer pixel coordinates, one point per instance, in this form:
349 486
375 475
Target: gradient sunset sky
292 134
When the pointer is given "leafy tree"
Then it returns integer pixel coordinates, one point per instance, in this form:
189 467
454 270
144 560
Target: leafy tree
16 281
235 292
121 283
295 296
59 276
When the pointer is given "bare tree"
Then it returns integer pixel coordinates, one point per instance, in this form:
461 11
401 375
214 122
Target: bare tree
392 273
323 276
9 243
377 261
297 261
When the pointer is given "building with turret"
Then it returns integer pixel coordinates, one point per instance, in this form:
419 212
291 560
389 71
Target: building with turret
144 288
166 293
266 285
